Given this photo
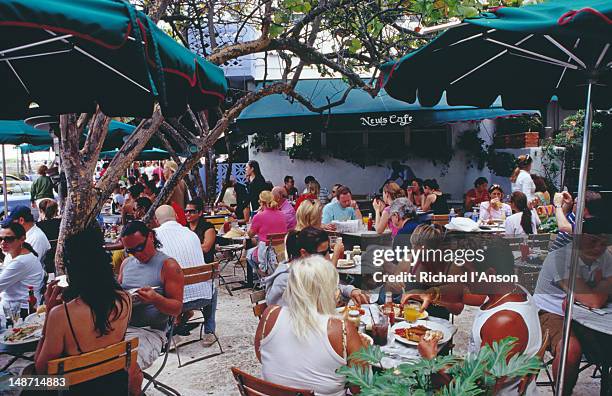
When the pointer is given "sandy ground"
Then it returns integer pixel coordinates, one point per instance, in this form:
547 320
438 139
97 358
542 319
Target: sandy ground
236 326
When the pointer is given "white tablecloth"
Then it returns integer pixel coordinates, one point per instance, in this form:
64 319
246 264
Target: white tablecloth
592 320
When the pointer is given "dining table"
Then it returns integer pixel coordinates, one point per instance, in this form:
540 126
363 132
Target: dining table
24 350
396 352
595 333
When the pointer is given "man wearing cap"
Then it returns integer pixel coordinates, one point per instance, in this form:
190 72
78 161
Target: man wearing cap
34 236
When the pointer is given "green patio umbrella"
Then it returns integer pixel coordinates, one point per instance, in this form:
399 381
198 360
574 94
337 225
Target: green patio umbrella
525 55
153 154
68 56
30 148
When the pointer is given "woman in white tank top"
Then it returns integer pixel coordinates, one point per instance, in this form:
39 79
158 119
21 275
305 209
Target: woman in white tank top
302 344
506 310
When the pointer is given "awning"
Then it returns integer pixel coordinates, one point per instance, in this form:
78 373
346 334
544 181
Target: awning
275 113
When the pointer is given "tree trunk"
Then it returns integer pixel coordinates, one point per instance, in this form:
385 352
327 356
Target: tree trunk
85 198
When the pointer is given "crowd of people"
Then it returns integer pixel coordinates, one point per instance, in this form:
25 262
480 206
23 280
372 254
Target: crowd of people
138 289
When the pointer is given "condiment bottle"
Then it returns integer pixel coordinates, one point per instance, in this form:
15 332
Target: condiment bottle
388 308
356 250
31 300
226 224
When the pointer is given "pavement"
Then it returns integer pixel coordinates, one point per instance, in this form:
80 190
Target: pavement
236 327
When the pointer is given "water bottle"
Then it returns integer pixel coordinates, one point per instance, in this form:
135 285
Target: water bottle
452 215
475 215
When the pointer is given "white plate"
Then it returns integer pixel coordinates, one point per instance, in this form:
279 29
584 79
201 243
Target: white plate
344 264
32 338
430 325
35 318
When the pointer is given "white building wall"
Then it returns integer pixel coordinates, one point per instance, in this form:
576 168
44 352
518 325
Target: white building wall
459 178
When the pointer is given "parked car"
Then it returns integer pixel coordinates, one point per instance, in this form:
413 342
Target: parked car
15 185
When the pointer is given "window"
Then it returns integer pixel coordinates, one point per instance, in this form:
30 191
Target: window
292 139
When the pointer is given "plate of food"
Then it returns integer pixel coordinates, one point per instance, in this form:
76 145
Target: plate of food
344 263
344 310
36 317
24 334
399 314
412 333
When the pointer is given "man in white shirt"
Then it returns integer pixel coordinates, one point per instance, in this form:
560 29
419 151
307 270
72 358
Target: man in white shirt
593 286
183 245
34 236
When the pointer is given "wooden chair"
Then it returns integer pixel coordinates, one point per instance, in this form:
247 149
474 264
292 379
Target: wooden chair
277 242
252 386
258 299
543 241
194 275
439 220
217 222
88 366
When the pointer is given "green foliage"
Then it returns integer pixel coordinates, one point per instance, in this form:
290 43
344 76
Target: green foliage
569 139
475 375
307 149
474 147
549 225
500 163
519 124
265 141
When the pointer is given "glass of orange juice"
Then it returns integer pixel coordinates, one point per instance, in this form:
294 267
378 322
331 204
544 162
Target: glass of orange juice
412 311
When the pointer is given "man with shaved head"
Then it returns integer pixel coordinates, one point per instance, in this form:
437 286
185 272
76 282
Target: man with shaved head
280 196
183 245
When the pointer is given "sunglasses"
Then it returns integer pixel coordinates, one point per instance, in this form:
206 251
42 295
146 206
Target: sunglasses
8 239
138 248
191 211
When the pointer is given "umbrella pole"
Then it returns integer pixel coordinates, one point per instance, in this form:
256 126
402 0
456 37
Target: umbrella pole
4 190
582 184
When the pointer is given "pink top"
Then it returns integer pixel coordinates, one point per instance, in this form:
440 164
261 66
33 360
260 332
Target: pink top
393 228
287 209
268 221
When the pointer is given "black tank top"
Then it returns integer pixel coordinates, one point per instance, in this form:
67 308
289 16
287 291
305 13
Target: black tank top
111 384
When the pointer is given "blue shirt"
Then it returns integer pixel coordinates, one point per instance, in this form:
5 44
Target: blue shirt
563 238
334 211
409 227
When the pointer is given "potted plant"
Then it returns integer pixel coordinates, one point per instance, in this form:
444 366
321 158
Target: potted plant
518 132
477 374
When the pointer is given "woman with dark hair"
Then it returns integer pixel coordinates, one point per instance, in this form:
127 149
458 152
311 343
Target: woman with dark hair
525 221
495 209
49 223
433 199
541 190
255 183
90 314
414 192
21 269
127 211
203 229
521 179
299 244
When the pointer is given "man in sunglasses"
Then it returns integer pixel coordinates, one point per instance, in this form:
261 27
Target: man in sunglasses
34 236
156 284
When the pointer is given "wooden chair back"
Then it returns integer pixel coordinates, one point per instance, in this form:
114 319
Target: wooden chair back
201 273
252 386
258 300
277 242
439 220
543 241
92 365
217 222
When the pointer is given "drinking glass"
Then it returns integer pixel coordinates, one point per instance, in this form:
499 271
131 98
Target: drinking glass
412 311
15 311
380 329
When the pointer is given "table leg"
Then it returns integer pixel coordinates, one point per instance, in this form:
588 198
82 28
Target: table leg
605 381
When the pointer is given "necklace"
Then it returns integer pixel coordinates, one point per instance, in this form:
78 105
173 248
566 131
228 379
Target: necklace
502 297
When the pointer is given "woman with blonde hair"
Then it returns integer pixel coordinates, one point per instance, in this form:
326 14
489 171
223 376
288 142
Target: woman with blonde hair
521 178
309 214
314 189
391 191
308 327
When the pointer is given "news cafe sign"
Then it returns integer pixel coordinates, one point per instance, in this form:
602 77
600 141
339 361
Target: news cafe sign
387 120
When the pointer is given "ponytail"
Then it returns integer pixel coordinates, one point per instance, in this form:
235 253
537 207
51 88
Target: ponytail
515 174
291 245
520 202
29 247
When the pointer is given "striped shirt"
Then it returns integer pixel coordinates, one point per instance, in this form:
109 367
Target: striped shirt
563 238
183 245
